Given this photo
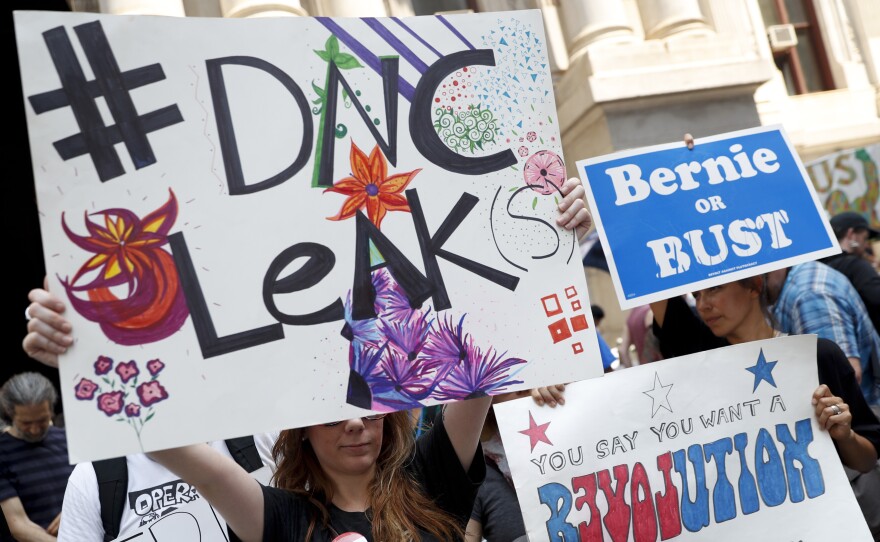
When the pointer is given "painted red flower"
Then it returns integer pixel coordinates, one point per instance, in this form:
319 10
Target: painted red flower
103 365
155 366
128 251
132 410
127 371
151 392
110 403
85 390
370 186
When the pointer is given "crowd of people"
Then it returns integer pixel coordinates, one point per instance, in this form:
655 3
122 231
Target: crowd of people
371 476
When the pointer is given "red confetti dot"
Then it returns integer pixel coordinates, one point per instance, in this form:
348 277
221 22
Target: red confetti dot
437 100
455 83
464 69
453 98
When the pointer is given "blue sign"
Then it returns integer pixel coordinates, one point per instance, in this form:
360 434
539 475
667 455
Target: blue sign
674 220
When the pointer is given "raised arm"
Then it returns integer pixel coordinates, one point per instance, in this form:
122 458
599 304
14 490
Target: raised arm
20 525
224 484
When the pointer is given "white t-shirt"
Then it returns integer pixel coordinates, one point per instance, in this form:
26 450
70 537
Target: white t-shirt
152 492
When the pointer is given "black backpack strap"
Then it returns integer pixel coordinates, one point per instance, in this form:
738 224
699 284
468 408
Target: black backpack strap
244 451
112 475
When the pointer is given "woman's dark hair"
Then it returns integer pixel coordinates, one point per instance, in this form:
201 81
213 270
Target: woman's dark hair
759 284
399 507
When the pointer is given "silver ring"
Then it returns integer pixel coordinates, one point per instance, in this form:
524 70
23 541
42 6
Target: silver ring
836 409
27 313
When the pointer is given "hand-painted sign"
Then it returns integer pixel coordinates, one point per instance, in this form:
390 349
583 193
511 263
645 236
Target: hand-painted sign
673 220
722 445
849 181
278 222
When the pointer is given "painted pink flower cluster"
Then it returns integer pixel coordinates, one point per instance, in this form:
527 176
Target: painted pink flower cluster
126 397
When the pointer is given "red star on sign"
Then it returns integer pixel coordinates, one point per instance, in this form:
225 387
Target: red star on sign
536 433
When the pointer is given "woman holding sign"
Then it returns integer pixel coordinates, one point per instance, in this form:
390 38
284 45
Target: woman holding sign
358 479
738 312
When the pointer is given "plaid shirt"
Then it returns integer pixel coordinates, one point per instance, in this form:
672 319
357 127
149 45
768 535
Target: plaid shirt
817 299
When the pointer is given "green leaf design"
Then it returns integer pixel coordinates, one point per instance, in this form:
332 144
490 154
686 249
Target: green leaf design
324 55
514 189
345 61
319 91
549 118
332 47
535 202
556 200
148 418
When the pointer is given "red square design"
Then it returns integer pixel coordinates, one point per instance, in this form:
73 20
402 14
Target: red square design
577 348
579 323
570 292
551 305
559 330
576 305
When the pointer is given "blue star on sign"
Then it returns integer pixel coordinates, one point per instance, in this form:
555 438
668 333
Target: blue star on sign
763 371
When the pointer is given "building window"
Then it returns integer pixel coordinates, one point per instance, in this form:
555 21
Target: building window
804 66
430 7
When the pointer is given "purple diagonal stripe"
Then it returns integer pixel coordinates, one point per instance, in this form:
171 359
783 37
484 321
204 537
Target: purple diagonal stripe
398 45
454 31
416 36
405 89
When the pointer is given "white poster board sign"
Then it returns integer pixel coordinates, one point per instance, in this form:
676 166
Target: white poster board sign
722 445
277 222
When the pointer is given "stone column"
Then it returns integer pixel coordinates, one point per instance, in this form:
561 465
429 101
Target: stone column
173 8
586 22
665 18
261 8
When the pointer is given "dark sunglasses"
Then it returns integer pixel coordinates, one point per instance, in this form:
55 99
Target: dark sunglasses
371 418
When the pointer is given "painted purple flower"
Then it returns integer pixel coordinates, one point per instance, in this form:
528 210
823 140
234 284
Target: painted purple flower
151 392
363 360
155 366
447 342
404 378
127 371
407 335
478 375
110 403
132 410
391 300
85 390
103 365
365 331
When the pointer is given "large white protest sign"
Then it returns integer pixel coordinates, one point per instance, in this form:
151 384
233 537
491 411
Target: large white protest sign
674 220
722 445
849 181
270 223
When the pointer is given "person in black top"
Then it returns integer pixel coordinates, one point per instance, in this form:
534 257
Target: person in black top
854 235
738 312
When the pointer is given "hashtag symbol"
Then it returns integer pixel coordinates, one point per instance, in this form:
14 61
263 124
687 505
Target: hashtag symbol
95 138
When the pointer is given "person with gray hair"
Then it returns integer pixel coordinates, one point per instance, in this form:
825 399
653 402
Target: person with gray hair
33 458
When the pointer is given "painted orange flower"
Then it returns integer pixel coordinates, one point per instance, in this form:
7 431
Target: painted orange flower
370 186
129 252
